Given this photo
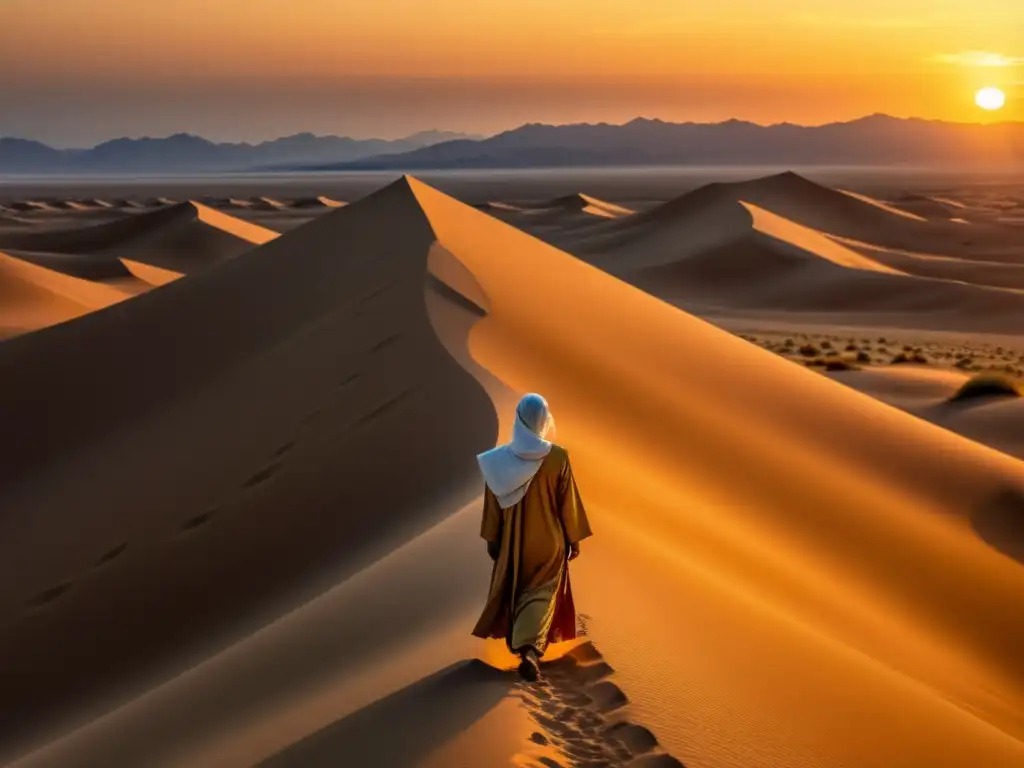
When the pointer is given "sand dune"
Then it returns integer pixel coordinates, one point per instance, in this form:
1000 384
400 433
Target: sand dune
832 212
997 274
585 204
737 254
71 205
882 205
261 204
33 296
930 207
127 276
182 238
315 202
860 551
14 222
562 213
226 202
30 206
333 356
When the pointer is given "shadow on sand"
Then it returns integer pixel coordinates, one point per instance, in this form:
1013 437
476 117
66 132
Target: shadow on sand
1000 523
407 726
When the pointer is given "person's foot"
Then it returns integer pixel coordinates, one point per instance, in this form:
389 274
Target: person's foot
529 666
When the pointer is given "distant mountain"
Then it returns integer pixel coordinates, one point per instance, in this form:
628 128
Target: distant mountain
874 140
185 153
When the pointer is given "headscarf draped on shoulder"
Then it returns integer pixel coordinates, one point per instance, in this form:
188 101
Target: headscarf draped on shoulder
508 469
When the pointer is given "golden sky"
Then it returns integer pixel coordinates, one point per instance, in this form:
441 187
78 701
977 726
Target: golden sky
88 69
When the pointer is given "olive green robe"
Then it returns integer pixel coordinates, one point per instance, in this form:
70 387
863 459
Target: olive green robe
530 600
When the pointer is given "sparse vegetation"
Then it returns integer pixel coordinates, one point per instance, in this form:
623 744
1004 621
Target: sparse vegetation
809 350
863 357
909 357
986 386
840 365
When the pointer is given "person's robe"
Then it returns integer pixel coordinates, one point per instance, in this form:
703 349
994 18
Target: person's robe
530 599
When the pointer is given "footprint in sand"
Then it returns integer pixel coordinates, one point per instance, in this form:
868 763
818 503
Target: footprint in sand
48 596
579 711
198 521
263 475
383 343
282 451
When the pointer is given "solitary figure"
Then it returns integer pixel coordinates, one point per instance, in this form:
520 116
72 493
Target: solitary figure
533 523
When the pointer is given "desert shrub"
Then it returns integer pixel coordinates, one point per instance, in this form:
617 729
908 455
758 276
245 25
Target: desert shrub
964 363
839 365
809 350
985 386
826 345
851 347
863 357
902 357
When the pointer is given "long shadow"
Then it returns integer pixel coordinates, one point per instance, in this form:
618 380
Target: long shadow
404 728
1000 522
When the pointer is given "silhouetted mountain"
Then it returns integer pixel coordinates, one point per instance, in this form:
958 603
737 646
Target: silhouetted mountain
874 140
184 153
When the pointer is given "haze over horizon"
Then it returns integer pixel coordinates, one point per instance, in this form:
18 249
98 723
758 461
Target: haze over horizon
90 70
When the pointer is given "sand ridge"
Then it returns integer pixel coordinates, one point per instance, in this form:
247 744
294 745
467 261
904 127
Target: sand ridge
180 237
34 296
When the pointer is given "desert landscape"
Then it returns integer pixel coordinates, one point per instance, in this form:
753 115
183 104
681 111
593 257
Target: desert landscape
241 504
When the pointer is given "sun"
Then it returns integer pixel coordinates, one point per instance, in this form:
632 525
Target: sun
990 98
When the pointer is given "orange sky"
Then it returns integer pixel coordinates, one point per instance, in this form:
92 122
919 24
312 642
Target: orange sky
89 69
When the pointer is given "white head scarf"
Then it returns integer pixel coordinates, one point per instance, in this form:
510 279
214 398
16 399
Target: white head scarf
508 469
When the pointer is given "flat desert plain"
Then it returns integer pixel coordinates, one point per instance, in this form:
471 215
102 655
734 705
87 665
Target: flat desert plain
239 502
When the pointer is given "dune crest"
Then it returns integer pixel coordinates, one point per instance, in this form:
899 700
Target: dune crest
183 238
316 202
33 296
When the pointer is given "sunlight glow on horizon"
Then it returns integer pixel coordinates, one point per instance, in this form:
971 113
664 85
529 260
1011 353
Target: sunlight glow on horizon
389 67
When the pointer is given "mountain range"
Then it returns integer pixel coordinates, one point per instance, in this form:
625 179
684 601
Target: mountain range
184 152
874 140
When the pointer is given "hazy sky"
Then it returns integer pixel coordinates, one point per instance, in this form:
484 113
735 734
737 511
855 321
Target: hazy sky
76 72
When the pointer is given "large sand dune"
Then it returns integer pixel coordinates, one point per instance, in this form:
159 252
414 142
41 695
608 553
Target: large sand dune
721 253
831 211
568 212
785 571
182 237
34 295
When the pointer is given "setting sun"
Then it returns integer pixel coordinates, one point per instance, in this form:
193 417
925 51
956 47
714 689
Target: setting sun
990 98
